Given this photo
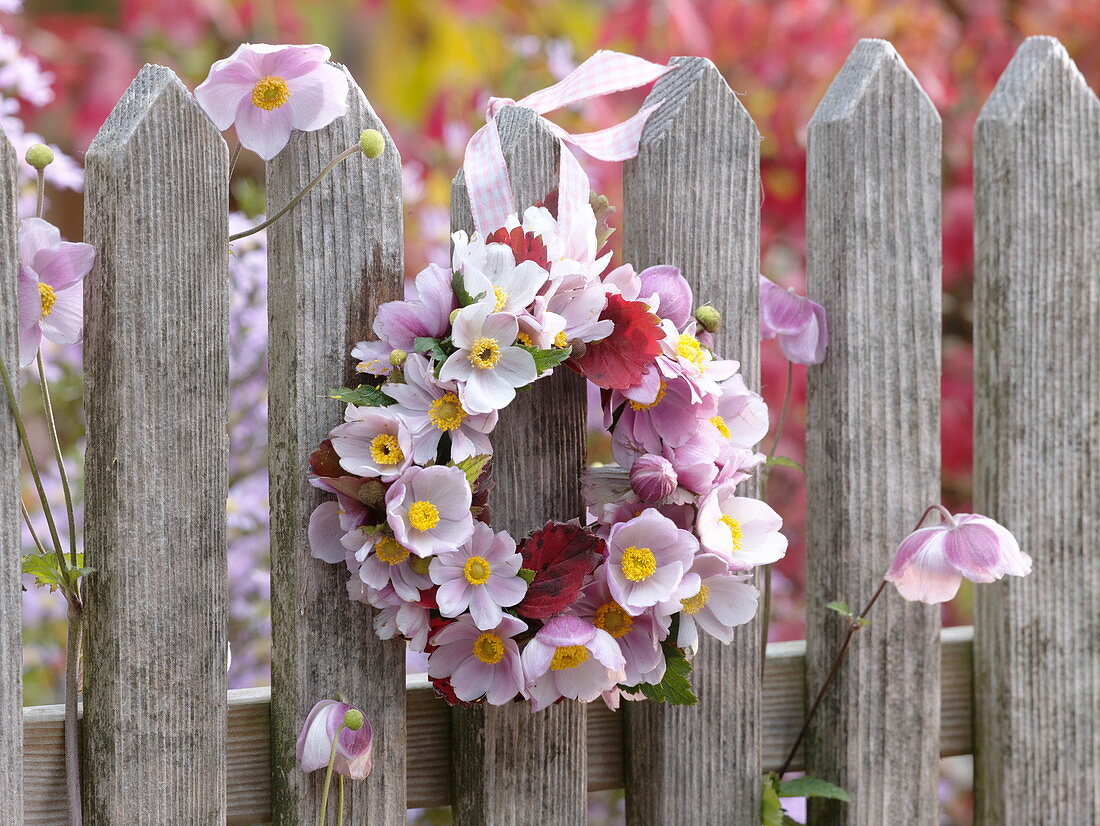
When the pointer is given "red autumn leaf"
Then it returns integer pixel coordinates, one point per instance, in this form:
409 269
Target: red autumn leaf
325 462
561 555
620 360
524 246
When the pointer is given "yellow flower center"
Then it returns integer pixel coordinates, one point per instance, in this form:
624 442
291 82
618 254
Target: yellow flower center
693 605
489 648
736 534
638 564
484 353
446 412
270 93
385 450
613 619
568 656
390 551
423 515
525 340
720 423
642 406
502 299
49 297
560 340
689 348
477 570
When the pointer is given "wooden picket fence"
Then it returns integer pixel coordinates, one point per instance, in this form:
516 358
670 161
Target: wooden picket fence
165 743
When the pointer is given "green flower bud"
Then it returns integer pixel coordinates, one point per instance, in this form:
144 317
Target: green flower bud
372 143
354 719
39 155
709 318
397 357
454 315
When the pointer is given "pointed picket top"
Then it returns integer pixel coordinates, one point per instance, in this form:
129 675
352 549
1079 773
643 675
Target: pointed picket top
155 88
874 66
1041 70
694 79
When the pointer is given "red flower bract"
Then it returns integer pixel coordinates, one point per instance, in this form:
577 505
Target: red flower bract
325 462
561 555
524 246
620 360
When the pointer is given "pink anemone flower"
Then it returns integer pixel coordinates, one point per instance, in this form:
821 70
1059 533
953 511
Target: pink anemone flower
354 747
479 662
639 637
51 295
723 601
569 657
482 577
429 509
931 562
795 320
267 91
646 559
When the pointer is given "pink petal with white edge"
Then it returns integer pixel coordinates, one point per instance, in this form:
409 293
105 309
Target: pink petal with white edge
317 99
264 132
64 266
314 742
325 533
921 571
65 323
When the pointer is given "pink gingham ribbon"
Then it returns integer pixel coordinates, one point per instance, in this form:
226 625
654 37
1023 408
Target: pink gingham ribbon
605 72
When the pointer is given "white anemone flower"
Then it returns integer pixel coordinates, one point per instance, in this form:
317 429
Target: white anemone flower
487 364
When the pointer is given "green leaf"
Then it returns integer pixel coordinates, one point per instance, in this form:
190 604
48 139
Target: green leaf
366 395
458 284
675 688
547 359
784 461
423 344
43 567
527 575
473 467
840 607
771 810
807 786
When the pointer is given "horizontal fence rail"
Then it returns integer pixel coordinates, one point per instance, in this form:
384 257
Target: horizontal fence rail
783 706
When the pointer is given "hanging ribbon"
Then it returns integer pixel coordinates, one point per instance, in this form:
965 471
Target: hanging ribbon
602 74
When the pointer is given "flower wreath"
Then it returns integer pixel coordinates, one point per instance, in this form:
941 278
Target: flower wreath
611 605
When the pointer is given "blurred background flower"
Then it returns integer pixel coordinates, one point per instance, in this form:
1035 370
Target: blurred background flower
427 67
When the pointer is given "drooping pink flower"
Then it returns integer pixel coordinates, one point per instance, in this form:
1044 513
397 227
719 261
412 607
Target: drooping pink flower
639 637
569 657
51 292
431 408
486 363
354 746
479 662
931 562
425 313
429 509
268 91
646 559
482 576
373 442
742 531
795 320
723 601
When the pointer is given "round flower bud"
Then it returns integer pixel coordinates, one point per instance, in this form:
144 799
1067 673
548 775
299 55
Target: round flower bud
397 357
39 155
652 477
353 719
372 143
454 315
708 317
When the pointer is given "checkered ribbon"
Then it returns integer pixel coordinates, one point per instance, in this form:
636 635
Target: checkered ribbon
605 72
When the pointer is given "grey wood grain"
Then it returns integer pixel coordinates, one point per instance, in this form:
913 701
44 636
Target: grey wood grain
11 604
332 260
873 445
692 199
511 766
156 394
1037 440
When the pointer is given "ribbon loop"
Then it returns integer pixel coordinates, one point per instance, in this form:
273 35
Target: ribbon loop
486 171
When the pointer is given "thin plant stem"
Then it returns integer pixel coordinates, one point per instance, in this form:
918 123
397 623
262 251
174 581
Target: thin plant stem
51 424
234 158
328 775
854 625
340 807
766 610
40 193
30 528
13 403
73 648
347 153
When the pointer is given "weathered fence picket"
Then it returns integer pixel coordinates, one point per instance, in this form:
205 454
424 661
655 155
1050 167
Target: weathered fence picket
1037 448
156 395
332 260
873 439
692 199
511 766
11 604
